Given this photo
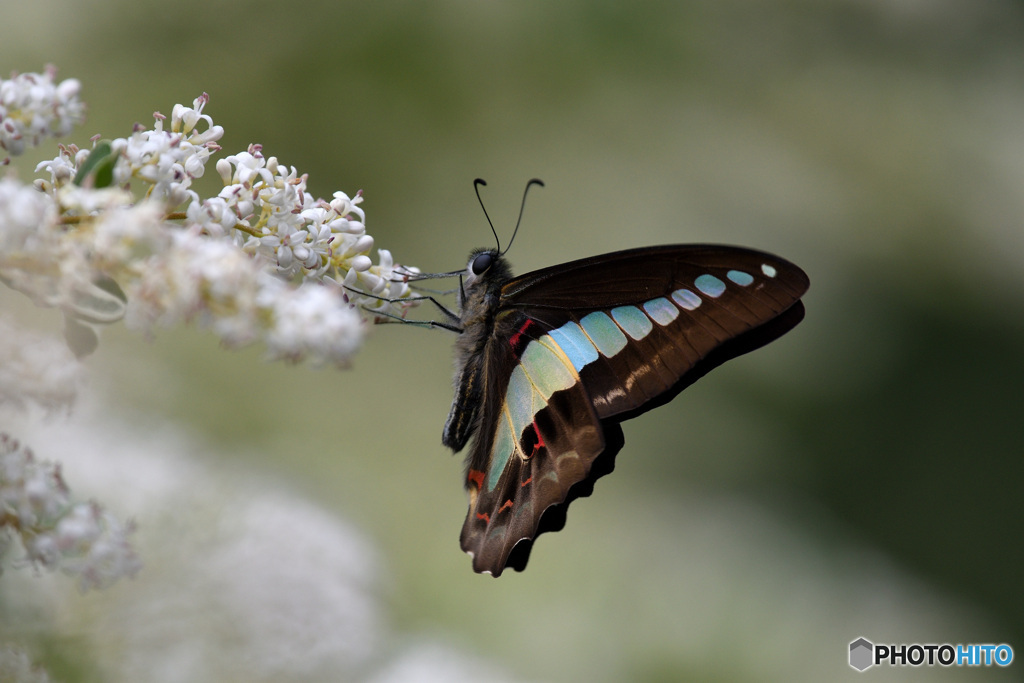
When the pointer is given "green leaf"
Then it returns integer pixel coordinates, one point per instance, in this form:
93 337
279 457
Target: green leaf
100 165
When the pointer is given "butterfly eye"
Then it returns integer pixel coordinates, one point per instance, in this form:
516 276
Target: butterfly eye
482 262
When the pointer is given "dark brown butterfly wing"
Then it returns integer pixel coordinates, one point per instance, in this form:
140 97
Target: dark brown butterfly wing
538 436
593 339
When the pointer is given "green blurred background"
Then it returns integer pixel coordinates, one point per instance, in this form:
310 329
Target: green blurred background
860 477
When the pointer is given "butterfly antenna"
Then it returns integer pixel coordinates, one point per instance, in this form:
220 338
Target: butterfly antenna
476 187
529 184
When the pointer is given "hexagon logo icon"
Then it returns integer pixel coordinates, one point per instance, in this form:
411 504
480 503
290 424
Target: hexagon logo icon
861 654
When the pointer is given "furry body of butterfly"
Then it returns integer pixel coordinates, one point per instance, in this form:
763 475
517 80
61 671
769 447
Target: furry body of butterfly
548 364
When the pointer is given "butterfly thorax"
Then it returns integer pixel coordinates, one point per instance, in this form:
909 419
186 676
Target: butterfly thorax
479 298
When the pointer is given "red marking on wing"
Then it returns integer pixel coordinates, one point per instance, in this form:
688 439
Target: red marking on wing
526 482
540 440
508 504
516 340
484 516
476 477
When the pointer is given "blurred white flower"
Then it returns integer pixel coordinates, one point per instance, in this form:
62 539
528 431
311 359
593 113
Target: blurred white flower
244 580
94 546
34 107
80 539
313 321
36 369
24 214
196 279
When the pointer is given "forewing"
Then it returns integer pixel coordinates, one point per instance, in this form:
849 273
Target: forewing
635 322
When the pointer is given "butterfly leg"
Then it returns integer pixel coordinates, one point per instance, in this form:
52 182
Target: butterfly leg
420 323
452 317
433 291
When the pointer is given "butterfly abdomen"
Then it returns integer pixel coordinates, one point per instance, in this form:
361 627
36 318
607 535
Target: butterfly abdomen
477 310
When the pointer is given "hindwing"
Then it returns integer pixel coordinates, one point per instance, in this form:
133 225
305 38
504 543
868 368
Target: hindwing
538 436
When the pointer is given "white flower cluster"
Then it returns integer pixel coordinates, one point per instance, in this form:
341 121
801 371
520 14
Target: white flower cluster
33 107
262 260
267 209
80 539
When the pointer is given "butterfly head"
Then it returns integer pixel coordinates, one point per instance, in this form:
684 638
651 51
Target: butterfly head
483 278
485 265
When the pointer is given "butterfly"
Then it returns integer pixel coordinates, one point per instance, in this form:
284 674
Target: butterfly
548 363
